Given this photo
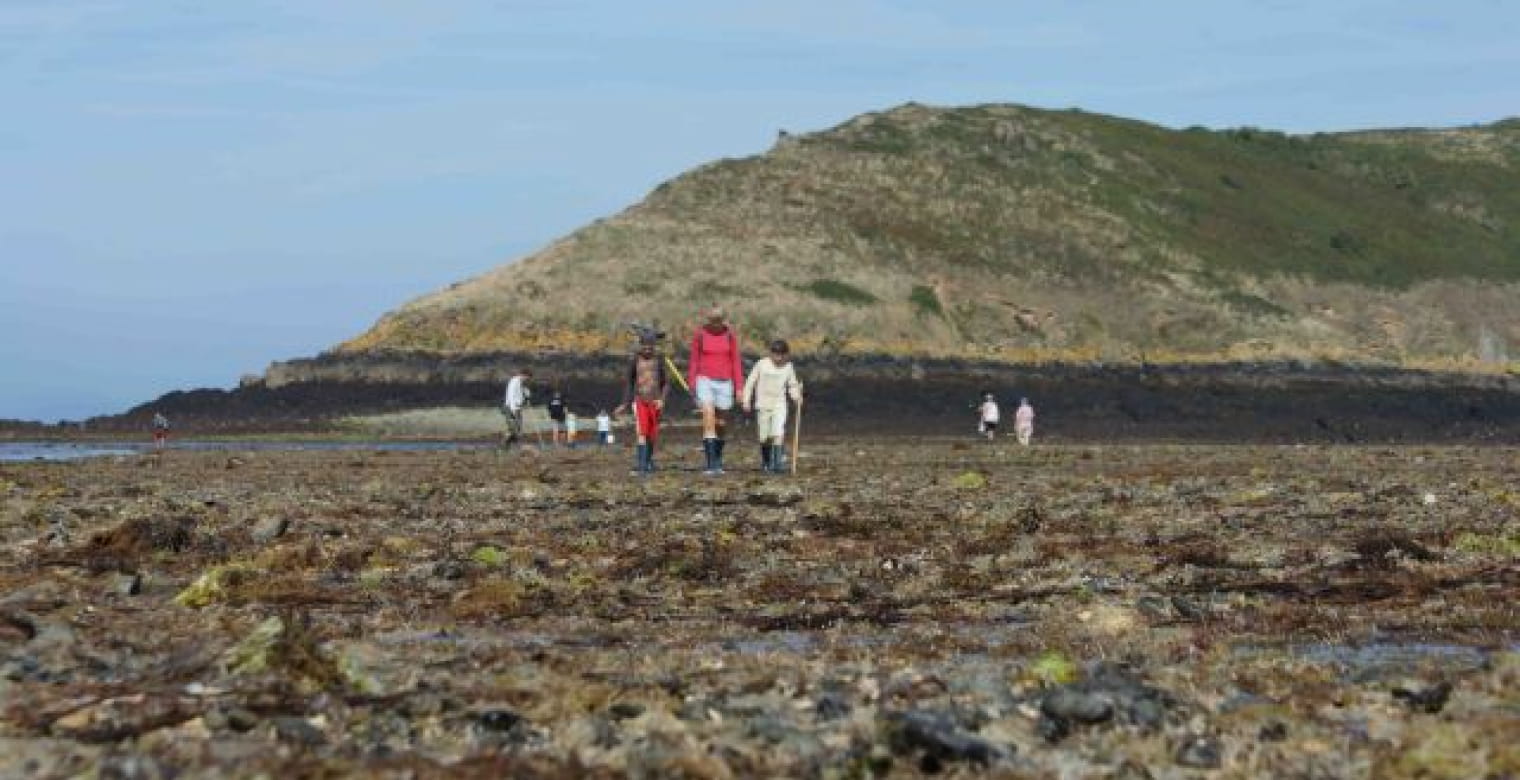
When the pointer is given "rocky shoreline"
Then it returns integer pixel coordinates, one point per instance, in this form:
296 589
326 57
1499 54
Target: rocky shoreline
1235 402
896 610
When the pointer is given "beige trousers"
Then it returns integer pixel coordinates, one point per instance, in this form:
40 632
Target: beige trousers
771 424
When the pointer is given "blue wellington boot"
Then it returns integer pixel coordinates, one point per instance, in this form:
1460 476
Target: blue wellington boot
710 452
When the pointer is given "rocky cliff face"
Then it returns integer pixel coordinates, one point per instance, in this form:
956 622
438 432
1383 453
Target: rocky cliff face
877 395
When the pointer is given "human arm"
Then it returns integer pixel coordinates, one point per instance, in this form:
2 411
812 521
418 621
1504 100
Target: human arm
662 380
793 384
694 361
630 384
738 362
749 387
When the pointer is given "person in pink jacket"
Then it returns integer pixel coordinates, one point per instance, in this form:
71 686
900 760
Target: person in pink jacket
713 370
1023 422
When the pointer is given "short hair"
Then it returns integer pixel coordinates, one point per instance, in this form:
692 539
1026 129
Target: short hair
780 347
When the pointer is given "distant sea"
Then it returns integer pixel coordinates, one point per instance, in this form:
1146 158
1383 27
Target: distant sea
58 451
18 451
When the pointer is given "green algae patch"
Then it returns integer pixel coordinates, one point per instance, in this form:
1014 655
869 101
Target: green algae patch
284 646
486 555
1505 545
1444 751
971 480
214 585
1053 668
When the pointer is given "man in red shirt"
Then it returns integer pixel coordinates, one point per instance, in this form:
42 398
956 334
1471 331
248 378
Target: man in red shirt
713 371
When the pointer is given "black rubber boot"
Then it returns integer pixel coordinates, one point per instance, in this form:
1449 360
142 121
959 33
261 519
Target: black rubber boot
765 459
649 458
718 454
641 458
710 451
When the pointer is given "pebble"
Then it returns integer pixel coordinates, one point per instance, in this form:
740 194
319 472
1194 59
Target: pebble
625 710
270 529
298 730
1066 704
940 739
1200 753
127 584
1417 696
831 706
498 719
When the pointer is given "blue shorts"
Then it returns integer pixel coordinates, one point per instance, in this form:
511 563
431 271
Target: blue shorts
717 393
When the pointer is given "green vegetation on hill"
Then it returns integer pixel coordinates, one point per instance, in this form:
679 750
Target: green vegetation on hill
1000 230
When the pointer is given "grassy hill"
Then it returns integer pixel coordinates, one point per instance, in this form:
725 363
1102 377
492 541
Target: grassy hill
1006 232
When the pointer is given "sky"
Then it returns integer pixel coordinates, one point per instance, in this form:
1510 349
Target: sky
190 191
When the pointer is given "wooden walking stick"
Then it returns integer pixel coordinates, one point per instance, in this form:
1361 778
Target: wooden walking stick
796 436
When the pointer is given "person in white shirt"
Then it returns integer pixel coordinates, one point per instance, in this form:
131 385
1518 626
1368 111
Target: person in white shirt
603 427
989 416
1023 422
513 404
771 382
572 426
160 430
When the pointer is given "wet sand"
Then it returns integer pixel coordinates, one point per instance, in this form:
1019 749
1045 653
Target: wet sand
898 608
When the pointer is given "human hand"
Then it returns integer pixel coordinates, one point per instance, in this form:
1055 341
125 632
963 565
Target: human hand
659 405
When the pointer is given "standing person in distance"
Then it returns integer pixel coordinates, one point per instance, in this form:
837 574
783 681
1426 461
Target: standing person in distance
771 382
712 373
556 409
988 412
603 428
160 430
1023 422
644 389
513 404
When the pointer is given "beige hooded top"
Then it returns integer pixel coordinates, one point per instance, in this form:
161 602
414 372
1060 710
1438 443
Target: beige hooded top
770 384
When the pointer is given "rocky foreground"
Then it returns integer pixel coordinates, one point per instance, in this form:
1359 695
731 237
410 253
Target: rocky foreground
898 608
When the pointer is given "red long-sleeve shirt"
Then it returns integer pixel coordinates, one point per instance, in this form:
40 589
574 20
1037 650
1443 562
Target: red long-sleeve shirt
715 356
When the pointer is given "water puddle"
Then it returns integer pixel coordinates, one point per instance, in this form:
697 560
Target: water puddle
1378 660
67 451
14 452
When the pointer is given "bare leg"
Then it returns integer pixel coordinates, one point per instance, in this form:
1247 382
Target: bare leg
709 421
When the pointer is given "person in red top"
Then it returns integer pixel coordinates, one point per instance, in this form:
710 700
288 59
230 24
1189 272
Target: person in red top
712 373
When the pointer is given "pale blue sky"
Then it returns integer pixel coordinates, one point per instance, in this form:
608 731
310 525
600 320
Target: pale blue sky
192 190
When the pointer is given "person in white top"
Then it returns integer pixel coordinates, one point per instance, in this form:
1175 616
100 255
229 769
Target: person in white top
988 414
603 427
1023 422
770 383
513 404
160 430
